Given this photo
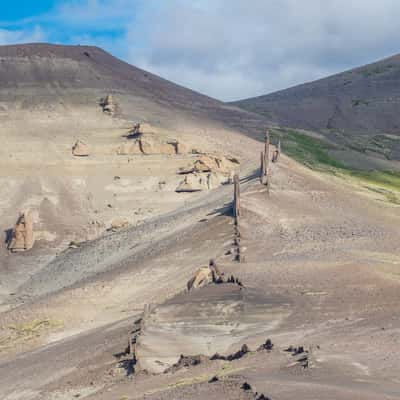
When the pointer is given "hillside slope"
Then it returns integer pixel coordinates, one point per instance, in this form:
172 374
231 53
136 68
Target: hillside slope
36 74
50 98
359 107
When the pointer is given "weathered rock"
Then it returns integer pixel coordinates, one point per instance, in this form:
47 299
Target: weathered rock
202 321
196 182
187 362
268 345
231 357
149 144
246 386
204 276
211 163
80 149
118 224
22 236
108 104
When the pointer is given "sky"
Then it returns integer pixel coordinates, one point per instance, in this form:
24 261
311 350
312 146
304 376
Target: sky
227 49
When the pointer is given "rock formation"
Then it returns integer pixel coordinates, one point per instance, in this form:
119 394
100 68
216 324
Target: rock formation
150 144
80 149
207 172
197 182
204 276
118 224
108 104
212 163
201 321
22 236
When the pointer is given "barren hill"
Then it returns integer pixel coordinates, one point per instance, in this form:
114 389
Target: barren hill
63 76
358 108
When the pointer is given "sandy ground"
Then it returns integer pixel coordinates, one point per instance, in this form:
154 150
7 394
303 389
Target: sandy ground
326 248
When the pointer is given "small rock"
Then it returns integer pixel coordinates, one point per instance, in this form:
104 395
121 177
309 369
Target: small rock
213 379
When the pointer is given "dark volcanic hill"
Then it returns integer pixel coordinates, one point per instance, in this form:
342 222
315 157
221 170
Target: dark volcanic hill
360 107
35 74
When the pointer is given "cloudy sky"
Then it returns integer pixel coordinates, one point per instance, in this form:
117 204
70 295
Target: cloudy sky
228 49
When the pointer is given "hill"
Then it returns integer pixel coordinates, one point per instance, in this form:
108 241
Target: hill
33 75
357 108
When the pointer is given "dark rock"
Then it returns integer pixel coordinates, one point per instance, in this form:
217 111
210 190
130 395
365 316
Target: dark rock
239 354
235 356
268 345
262 397
186 362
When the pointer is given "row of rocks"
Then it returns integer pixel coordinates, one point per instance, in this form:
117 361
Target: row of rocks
144 145
190 361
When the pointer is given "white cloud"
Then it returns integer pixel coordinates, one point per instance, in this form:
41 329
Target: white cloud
8 36
237 48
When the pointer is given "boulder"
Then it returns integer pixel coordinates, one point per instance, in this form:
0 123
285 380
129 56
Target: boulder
108 104
80 149
118 224
204 276
22 236
196 182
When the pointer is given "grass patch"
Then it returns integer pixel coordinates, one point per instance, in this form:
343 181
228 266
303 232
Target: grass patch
225 371
376 70
314 153
33 328
359 102
18 333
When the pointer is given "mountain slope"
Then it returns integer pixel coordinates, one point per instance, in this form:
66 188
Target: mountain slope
50 97
37 74
359 107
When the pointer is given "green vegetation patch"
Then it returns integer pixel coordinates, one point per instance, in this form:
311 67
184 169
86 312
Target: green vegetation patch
359 102
314 153
376 70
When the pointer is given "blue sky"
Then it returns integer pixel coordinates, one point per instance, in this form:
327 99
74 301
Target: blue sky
228 49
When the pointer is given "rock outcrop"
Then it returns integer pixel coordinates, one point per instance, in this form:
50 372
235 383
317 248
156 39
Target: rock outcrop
22 236
209 320
108 104
207 172
80 149
149 144
212 163
204 276
202 181
118 224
